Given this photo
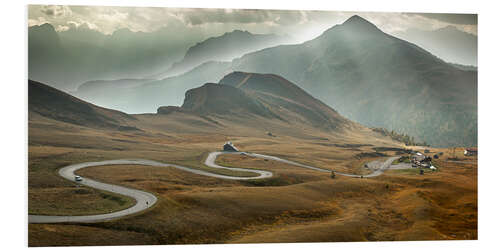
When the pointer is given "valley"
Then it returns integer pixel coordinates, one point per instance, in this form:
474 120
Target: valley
162 126
368 76
295 204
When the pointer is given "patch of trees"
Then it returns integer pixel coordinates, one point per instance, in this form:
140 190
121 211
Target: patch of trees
404 138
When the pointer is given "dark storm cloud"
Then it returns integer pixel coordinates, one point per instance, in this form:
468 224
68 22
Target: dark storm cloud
462 19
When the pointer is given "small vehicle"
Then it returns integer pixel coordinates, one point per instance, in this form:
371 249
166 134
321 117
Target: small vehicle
78 178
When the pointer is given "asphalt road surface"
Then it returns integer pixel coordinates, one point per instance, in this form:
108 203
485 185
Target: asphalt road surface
144 200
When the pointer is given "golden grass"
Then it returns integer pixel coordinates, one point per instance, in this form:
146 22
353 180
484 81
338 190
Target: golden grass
78 200
296 205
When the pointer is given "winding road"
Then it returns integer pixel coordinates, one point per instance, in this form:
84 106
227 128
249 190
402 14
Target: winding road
146 200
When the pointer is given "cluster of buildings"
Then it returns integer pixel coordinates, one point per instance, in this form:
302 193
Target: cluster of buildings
470 151
419 160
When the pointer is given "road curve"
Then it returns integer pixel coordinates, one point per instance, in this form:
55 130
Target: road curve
386 165
145 200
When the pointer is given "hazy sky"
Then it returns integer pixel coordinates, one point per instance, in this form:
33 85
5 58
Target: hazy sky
303 25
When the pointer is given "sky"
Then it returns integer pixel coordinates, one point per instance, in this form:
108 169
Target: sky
302 25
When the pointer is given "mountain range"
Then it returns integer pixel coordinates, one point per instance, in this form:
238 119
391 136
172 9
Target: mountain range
226 47
380 81
367 75
67 59
241 103
449 43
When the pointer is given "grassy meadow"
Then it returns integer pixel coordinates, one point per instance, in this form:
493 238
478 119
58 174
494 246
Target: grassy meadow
295 205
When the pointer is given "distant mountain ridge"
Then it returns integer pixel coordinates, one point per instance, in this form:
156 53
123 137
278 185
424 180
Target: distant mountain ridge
226 47
68 58
449 43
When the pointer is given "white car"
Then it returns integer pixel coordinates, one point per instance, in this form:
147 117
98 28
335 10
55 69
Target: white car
78 178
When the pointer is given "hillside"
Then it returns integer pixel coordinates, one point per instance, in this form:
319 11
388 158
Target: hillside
266 97
226 47
217 99
380 81
50 103
284 96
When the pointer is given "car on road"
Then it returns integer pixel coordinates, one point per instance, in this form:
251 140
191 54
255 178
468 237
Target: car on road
78 178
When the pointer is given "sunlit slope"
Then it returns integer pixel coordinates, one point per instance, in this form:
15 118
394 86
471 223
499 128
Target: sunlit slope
379 80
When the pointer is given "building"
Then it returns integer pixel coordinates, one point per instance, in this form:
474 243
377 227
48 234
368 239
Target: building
228 146
418 157
470 151
420 160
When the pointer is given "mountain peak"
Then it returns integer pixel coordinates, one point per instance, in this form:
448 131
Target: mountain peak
212 98
46 27
243 94
237 31
357 21
355 18
354 27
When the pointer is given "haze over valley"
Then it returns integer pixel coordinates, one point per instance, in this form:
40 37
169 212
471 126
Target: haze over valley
192 126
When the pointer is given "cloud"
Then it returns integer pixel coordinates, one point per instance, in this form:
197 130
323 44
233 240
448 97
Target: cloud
61 28
80 24
243 16
432 21
211 22
56 10
461 19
